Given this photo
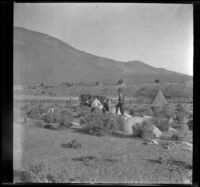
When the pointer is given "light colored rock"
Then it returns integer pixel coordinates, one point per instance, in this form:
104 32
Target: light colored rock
130 124
171 121
172 131
156 132
153 142
75 123
187 146
127 124
128 115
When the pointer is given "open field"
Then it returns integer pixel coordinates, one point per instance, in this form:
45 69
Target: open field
117 159
41 155
137 93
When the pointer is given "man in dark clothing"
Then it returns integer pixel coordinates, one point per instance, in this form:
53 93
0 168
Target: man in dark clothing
120 104
106 106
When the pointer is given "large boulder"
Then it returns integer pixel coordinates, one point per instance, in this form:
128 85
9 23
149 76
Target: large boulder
130 124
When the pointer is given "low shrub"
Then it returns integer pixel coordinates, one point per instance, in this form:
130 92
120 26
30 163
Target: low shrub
144 130
52 126
181 114
182 132
146 110
181 118
74 108
84 111
190 124
162 124
184 129
141 111
38 123
134 111
158 112
58 119
177 136
168 111
33 112
138 130
66 118
99 122
72 144
52 117
147 130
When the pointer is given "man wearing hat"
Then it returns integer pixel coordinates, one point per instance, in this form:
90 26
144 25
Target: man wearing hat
120 104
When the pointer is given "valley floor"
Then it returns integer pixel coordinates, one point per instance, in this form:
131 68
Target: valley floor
116 159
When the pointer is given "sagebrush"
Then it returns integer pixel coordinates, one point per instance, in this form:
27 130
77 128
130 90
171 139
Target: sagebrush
98 121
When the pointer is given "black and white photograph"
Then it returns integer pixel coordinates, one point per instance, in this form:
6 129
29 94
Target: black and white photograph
103 93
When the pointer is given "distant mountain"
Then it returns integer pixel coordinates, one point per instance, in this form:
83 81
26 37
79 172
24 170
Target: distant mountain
41 58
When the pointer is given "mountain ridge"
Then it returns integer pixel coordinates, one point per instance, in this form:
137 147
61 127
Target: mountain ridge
39 57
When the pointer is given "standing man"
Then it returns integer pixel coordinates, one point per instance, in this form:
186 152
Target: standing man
120 104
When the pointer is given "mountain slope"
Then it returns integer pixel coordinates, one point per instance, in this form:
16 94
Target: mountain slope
42 58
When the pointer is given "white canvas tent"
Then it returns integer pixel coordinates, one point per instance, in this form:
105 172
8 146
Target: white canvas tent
159 99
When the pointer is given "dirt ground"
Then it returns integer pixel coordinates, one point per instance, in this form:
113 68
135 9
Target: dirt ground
116 159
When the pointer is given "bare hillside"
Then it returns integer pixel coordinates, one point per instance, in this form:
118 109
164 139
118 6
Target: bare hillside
41 58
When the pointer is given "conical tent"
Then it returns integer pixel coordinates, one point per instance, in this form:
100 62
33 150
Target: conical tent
159 99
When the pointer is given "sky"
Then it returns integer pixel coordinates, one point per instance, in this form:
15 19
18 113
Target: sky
160 35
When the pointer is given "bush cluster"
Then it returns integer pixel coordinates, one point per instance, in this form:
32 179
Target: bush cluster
63 118
177 136
66 118
141 111
144 130
40 111
99 122
84 111
182 133
181 114
162 124
170 91
147 130
165 112
52 117
34 112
